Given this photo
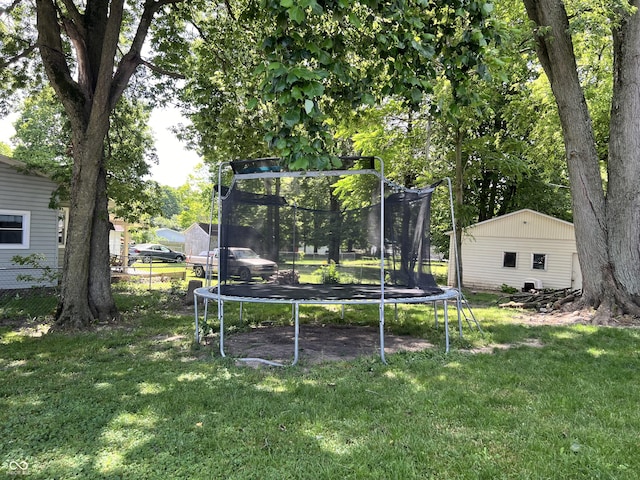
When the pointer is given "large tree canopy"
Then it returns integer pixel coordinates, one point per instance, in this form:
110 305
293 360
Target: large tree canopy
89 51
288 72
311 58
43 141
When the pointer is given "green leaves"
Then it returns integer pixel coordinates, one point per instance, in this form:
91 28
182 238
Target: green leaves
291 118
349 53
289 70
308 106
296 14
487 8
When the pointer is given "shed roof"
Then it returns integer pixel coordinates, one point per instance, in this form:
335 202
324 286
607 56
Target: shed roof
170 234
525 223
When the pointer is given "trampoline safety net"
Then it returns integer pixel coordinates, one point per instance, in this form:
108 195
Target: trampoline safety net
330 219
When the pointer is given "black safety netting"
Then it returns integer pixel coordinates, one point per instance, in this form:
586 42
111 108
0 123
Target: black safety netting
290 221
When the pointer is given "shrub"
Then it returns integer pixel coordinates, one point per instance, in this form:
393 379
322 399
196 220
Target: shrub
508 289
329 274
46 275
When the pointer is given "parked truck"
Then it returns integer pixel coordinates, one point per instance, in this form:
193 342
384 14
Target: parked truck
242 262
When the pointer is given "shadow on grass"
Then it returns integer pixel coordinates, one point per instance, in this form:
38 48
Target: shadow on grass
129 404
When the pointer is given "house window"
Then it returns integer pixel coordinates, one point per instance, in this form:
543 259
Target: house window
509 260
539 261
14 229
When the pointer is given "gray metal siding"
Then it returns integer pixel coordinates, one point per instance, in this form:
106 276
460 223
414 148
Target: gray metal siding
28 193
196 240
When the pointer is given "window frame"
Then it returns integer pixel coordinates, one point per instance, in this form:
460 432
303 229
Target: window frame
545 261
515 259
26 230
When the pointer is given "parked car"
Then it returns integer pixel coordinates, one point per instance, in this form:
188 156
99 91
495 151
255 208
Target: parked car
243 263
150 252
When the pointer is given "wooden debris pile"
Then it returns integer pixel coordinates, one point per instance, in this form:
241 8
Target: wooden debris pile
542 300
286 277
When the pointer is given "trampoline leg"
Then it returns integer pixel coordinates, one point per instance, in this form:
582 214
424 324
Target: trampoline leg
435 313
241 304
195 306
396 312
459 307
296 333
382 333
446 326
221 319
342 313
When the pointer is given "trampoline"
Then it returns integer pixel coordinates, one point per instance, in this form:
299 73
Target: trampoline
390 227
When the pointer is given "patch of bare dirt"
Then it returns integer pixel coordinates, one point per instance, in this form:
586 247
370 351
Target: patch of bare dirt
554 318
317 343
571 317
327 343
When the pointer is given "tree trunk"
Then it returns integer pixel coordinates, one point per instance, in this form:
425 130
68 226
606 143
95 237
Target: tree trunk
101 299
601 233
89 86
86 295
74 310
277 226
269 222
623 190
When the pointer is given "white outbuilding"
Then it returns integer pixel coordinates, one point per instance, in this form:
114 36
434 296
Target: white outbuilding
524 249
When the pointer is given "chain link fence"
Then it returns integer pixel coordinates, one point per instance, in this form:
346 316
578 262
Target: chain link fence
28 292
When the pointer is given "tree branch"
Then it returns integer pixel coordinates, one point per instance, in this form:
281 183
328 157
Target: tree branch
162 71
76 31
540 33
132 58
201 32
55 62
229 10
74 15
104 82
25 53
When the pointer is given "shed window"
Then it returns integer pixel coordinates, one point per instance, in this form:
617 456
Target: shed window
509 259
14 229
539 261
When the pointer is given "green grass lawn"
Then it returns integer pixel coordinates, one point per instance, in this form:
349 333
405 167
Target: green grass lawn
138 400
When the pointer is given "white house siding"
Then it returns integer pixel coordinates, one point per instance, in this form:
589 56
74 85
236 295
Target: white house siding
30 193
115 241
524 232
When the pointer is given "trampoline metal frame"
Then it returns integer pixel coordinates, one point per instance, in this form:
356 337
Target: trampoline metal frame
209 293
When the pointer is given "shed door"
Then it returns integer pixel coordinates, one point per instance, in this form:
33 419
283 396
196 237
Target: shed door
576 273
